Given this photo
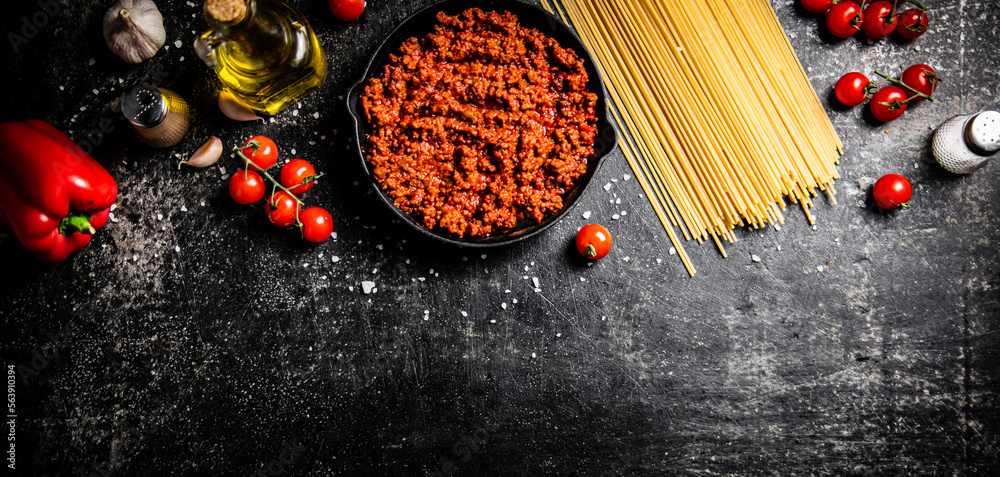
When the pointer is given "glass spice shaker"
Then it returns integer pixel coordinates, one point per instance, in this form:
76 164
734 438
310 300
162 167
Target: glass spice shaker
965 143
159 116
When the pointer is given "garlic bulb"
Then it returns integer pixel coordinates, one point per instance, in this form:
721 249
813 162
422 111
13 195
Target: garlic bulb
134 30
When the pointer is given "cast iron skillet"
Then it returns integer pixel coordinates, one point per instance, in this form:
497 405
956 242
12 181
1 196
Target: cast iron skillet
422 23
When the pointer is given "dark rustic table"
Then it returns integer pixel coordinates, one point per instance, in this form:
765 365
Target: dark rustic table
193 338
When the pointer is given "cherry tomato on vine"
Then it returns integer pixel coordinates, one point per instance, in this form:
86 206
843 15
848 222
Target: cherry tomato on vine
922 78
888 103
346 10
817 6
892 191
266 154
879 20
844 19
296 171
912 23
317 224
852 89
282 209
246 187
593 241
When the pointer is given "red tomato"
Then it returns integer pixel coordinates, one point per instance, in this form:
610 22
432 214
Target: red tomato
593 241
317 224
888 103
817 6
922 78
852 89
266 154
912 23
346 10
246 187
295 173
844 19
282 209
892 191
879 20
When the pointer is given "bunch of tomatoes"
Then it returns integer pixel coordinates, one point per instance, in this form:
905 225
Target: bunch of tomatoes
283 207
917 83
876 19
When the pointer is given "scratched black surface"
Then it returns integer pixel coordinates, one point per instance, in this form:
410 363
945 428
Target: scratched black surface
192 338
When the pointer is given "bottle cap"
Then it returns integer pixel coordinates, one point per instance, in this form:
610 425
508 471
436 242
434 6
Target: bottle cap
982 133
226 11
144 106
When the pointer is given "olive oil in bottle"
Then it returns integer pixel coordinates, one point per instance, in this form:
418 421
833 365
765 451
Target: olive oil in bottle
263 51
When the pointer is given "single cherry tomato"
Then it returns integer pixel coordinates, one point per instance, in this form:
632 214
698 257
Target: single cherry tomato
266 154
844 19
298 176
888 103
891 191
346 10
593 241
921 78
317 224
246 187
912 23
853 89
282 209
879 20
817 6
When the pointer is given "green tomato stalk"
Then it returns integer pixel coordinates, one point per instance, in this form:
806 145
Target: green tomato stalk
274 182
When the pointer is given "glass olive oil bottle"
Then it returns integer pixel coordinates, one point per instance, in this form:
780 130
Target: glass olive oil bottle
263 51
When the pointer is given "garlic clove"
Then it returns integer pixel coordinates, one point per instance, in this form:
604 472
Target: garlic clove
206 155
233 108
134 30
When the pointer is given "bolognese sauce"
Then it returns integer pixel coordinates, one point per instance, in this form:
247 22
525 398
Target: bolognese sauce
480 124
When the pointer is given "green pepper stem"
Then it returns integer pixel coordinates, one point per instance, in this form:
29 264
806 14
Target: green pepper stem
76 222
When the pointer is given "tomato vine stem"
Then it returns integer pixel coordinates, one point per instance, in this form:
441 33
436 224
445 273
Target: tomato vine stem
906 86
255 145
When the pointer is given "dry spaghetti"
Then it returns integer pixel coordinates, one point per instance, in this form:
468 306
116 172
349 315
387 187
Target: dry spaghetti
719 121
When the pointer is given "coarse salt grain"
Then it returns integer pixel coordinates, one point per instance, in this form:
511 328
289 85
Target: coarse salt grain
755 258
586 214
334 259
367 287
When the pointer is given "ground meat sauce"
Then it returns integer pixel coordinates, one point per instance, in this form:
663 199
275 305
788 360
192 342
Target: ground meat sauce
480 124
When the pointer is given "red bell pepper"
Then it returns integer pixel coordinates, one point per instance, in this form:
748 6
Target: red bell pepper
53 195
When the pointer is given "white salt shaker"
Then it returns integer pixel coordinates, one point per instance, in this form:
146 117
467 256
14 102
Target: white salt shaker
965 143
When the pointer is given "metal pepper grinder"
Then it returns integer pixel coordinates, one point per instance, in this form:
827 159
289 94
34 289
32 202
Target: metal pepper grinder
159 116
965 143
